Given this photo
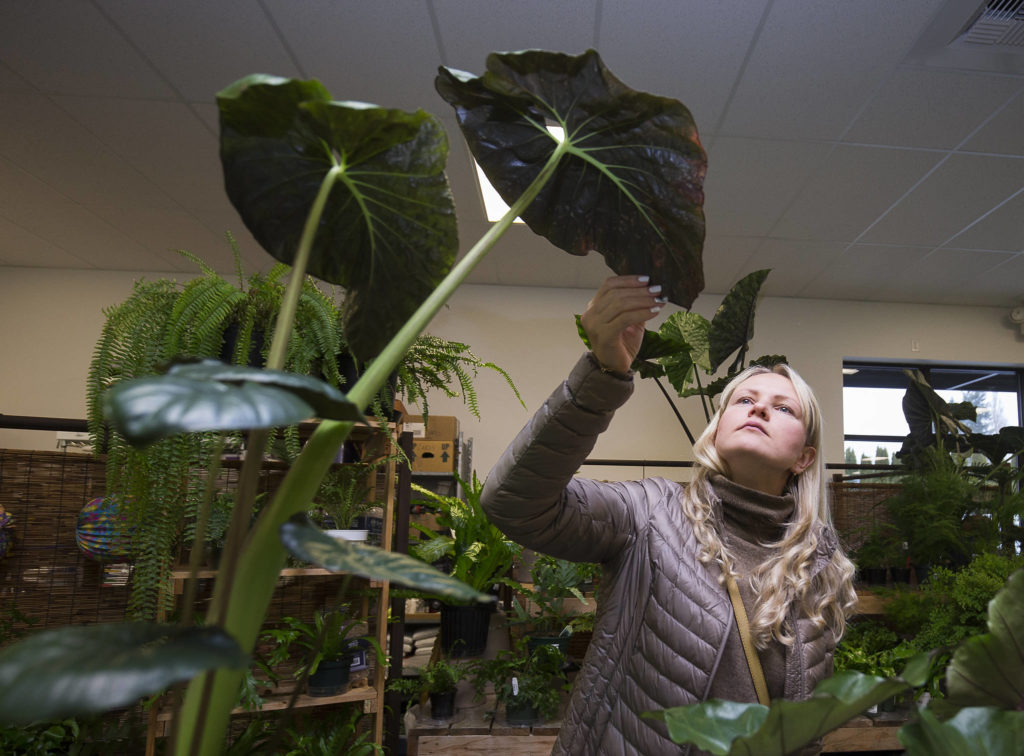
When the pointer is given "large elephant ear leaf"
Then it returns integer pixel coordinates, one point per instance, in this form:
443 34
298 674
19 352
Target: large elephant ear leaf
87 669
732 327
977 730
310 544
631 185
388 224
988 669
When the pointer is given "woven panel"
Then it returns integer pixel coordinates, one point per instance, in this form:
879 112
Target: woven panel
857 508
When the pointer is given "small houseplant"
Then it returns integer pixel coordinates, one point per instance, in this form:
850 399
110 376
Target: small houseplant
475 552
438 681
328 646
529 683
549 613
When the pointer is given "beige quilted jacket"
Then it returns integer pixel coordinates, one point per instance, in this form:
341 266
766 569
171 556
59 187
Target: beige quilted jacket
663 622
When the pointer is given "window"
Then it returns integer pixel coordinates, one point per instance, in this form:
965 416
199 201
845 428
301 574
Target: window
873 423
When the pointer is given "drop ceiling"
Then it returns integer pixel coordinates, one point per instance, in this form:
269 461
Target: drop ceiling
855 148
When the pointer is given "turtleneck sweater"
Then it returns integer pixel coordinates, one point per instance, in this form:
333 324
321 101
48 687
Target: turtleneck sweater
748 520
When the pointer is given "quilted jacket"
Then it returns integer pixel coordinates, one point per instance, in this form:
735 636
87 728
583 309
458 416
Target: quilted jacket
664 620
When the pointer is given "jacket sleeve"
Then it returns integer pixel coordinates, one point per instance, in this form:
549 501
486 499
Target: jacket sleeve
531 494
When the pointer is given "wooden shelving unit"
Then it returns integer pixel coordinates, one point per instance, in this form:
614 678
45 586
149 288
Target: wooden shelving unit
378 443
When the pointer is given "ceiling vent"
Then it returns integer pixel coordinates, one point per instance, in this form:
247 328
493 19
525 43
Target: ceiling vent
998 23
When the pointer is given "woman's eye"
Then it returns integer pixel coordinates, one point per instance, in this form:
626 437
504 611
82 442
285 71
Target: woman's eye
744 400
784 408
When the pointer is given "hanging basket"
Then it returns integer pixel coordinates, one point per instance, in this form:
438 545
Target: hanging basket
103 533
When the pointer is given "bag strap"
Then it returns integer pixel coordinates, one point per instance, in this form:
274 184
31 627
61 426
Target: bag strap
760 685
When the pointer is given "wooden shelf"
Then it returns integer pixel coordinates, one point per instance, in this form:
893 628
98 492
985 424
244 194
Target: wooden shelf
422 618
180 576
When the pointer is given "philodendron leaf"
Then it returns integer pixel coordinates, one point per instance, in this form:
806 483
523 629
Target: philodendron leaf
209 396
631 186
732 327
87 669
388 231
787 726
988 669
307 542
977 731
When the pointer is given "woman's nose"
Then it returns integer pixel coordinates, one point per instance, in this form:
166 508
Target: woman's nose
759 408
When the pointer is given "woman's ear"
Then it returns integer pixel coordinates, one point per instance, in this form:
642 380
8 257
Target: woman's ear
804 461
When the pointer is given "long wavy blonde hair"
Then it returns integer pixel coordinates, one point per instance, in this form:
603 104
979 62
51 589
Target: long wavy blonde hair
783 581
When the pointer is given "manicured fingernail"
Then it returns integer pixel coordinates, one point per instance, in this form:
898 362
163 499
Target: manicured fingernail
654 289
661 300
655 309
643 279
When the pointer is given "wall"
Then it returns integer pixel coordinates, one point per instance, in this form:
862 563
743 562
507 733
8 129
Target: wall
52 319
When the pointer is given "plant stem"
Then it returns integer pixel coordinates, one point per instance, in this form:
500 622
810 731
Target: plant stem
263 555
676 410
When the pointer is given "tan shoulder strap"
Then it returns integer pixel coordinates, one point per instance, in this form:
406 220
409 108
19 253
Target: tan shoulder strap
760 685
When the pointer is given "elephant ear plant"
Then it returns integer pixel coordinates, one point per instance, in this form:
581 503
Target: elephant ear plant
356 195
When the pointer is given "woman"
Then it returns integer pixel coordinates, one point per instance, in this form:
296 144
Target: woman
666 632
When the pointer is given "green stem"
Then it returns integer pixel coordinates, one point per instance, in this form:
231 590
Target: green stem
263 555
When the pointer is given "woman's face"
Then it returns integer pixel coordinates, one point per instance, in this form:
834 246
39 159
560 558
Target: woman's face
761 435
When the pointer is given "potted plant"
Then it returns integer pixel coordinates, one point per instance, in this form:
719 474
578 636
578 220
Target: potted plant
437 681
328 648
475 552
528 682
344 497
327 186
548 608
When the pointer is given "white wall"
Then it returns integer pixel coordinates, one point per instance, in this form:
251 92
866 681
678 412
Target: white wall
52 319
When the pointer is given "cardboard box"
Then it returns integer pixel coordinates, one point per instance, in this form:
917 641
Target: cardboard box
433 456
436 427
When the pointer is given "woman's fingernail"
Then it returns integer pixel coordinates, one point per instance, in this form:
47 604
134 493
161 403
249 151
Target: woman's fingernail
655 309
661 300
654 289
643 279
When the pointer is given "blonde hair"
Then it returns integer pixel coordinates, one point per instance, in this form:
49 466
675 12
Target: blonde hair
784 581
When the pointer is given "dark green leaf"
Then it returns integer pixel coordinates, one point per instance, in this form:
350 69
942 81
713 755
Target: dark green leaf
787 726
389 223
631 186
732 327
976 731
996 447
145 410
307 542
712 726
988 670
327 402
88 669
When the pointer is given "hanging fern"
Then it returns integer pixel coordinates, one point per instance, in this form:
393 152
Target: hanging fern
450 367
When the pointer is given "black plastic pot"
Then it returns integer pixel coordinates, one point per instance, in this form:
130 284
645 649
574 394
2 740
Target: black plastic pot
330 678
521 713
464 629
900 574
562 643
873 575
442 705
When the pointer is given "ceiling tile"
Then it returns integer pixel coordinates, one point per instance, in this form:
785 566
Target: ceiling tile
1001 229
943 275
957 193
381 52
853 187
794 264
177 35
723 257
1003 134
687 36
866 272
19 247
751 182
922 107
816 63
471 29
72 48
999 286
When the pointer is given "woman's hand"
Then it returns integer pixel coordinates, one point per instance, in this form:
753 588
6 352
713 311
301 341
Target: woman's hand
615 317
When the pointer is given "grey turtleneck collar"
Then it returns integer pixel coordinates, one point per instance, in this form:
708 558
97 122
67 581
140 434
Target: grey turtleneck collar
752 515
